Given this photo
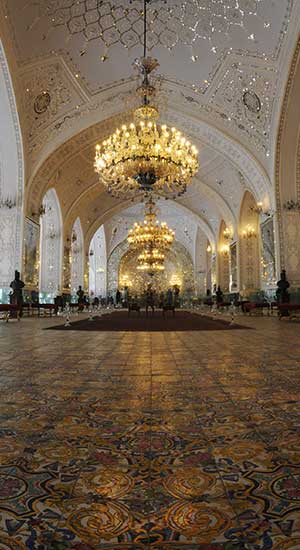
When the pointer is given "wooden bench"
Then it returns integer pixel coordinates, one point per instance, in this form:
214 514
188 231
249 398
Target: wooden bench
46 308
223 305
10 311
168 308
289 310
134 306
256 307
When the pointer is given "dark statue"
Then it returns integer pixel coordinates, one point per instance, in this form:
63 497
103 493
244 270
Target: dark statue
16 296
219 295
282 294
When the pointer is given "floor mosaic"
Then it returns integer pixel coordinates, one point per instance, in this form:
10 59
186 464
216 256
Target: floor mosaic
139 441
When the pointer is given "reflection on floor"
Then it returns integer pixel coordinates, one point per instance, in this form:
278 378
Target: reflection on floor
150 440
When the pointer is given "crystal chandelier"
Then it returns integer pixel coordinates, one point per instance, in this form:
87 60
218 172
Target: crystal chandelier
151 260
146 156
150 233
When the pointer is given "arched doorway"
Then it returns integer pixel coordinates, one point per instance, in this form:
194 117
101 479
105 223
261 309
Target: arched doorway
249 246
179 270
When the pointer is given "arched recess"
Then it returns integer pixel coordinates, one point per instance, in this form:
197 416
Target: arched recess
51 246
77 257
76 154
179 269
249 246
11 181
98 264
202 264
117 209
223 259
287 176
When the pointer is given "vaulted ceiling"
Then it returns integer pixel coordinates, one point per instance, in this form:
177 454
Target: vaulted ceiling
222 75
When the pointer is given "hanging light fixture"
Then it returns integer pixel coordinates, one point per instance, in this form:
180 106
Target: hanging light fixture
150 232
146 156
151 260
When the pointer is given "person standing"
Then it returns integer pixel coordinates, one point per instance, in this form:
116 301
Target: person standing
283 285
118 297
81 299
169 297
219 295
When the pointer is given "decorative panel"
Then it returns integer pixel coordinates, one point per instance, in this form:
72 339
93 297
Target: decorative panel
51 245
98 264
77 257
31 253
268 261
233 268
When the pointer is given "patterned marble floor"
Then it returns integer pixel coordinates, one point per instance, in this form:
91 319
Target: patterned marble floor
162 441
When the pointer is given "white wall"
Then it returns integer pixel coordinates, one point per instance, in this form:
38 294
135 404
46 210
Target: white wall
11 179
98 264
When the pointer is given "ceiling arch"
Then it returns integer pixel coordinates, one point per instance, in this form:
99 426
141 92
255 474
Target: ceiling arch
175 213
236 45
225 101
70 170
202 134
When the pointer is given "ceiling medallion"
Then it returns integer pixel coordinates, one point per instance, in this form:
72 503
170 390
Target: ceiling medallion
146 156
252 101
41 103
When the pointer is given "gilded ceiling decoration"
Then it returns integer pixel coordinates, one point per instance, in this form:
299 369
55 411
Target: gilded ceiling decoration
222 74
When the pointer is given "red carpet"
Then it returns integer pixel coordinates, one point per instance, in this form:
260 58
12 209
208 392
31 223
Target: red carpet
120 322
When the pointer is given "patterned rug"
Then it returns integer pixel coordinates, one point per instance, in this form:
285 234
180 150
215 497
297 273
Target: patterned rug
119 321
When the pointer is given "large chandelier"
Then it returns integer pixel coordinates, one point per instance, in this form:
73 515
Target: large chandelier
150 232
146 156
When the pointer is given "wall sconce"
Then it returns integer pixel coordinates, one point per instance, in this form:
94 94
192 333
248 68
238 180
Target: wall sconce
249 232
225 250
292 205
8 203
41 211
208 249
227 233
259 209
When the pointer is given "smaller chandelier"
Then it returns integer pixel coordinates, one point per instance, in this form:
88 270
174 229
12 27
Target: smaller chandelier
151 260
150 232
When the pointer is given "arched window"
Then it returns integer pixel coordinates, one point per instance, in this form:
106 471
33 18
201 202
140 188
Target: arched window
98 264
51 247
